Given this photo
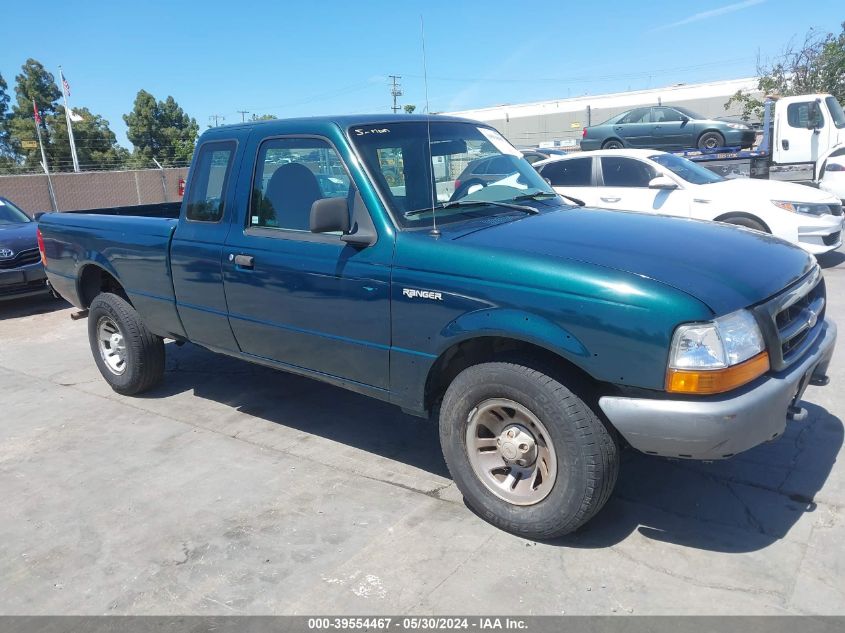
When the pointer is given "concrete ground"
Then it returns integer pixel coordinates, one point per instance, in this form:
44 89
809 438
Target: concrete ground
234 489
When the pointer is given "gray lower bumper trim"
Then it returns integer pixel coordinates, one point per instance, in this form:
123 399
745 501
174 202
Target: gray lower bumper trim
717 427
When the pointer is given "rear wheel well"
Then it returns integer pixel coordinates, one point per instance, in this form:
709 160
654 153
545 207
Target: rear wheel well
502 349
726 217
94 281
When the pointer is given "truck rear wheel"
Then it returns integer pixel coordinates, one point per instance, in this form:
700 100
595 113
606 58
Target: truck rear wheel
128 355
528 455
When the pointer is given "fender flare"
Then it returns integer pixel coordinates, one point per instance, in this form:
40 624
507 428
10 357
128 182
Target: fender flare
514 324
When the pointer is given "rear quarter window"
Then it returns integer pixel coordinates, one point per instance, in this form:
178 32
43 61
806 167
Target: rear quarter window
569 173
207 191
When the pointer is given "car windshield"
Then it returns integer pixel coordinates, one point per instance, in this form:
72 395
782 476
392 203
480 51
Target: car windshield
10 214
836 112
462 169
686 169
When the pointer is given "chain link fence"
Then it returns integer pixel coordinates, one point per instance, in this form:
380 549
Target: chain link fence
93 189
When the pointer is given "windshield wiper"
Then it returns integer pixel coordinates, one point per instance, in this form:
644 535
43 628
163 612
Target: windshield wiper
473 203
540 195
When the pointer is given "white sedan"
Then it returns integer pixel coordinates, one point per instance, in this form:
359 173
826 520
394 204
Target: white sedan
833 176
656 182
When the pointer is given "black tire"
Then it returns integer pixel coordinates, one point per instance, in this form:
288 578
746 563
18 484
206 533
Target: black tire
711 140
749 223
143 366
587 456
612 144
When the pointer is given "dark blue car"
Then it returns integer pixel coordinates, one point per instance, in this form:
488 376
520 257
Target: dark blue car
21 271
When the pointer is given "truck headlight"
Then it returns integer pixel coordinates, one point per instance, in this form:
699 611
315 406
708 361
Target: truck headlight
716 356
737 126
806 208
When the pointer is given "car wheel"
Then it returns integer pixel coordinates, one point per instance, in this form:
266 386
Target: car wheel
528 455
612 144
748 223
711 140
128 355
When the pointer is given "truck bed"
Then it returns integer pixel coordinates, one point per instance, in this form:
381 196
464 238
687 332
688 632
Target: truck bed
132 248
157 210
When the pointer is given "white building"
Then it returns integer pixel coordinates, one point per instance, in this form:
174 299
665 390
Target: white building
559 122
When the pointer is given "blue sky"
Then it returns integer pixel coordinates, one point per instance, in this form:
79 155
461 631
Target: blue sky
327 56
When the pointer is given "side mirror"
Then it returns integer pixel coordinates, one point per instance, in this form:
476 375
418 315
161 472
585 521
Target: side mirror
330 214
813 115
662 182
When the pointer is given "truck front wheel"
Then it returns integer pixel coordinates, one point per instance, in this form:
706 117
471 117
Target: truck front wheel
528 455
128 355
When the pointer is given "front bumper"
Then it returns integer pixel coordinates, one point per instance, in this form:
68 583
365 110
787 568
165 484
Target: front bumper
23 281
717 427
741 138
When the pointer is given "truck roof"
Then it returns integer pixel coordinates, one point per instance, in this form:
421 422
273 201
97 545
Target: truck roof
305 124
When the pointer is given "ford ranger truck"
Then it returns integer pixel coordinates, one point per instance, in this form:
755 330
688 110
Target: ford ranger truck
544 335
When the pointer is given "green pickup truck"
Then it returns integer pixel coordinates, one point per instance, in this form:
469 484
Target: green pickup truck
544 335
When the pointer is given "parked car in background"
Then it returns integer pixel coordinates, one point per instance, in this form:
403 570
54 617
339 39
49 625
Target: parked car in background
832 177
666 128
536 154
484 171
21 271
657 182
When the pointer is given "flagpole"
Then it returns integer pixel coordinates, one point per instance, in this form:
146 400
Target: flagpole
69 124
44 165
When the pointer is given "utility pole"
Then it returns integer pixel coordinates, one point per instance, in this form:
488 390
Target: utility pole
395 91
216 118
243 114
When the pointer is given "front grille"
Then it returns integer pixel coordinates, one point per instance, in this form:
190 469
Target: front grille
38 284
792 321
835 209
22 258
832 239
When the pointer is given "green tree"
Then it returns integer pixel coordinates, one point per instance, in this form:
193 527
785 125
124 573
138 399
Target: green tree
6 154
35 82
96 144
817 65
160 130
409 109
263 117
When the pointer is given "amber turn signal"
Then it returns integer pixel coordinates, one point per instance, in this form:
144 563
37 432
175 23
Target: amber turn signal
709 381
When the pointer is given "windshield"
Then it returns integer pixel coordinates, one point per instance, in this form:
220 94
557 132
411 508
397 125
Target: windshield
465 163
10 214
836 112
686 169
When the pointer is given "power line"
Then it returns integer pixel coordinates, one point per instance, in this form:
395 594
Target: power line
395 91
243 114
216 118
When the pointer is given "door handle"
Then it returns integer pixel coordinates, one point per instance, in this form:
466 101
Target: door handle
244 261
611 199
784 144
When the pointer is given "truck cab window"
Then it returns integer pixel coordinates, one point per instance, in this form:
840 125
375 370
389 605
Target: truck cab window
798 115
290 175
208 181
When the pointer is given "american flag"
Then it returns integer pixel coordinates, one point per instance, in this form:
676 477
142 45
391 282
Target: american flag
65 84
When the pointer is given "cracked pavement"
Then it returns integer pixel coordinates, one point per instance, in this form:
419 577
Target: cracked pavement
234 489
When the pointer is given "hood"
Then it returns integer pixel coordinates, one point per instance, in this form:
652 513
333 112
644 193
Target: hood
767 190
725 267
18 237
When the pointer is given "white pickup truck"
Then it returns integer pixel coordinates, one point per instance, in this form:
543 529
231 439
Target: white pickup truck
658 182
